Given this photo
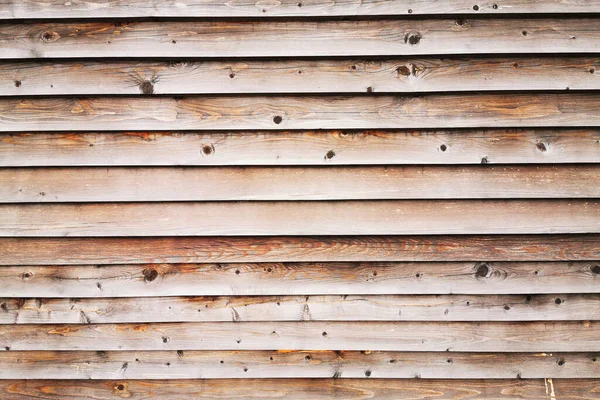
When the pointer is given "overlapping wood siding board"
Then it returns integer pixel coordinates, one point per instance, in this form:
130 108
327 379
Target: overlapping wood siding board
300 199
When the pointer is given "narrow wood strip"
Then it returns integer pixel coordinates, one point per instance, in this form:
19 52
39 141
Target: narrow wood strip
386 217
299 76
300 112
293 364
26 9
300 389
565 336
293 38
75 251
559 307
473 146
294 279
32 185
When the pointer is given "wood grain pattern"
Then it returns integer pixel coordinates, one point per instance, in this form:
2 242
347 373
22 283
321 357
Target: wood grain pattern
552 307
300 112
493 146
293 38
563 336
294 279
300 389
76 251
17 9
293 364
381 217
299 76
45 185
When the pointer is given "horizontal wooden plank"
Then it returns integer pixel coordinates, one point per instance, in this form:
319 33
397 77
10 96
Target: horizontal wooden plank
300 112
494 146
26 9
300 389
75 251
44 185
293 279
293 364
564 336
299 76
293 38
558 307
385 217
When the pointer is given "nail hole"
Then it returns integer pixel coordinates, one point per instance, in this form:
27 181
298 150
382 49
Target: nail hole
17 83
307 358
277 119
330 154
592 70
558 300
476 7
443 147
174 41
506 307
232 75
368 373
561 362
495 6
120 387
410 10
524 33
324 334
237 271
369 89
207 149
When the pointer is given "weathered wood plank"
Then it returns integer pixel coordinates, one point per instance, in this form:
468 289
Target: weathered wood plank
300 112
299 76
514 146
558 307
564 336
26 9
44 185
384 217
75 251
293 279
380 37
301 389
293 364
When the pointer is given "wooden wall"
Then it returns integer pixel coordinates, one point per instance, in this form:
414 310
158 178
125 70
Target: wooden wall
198 197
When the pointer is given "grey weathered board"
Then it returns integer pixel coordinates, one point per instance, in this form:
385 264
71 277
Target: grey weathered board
300 112
300 76
49 185
17 9
295 38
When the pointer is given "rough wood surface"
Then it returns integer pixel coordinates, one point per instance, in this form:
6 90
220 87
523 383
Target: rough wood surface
293 364
19 9
299 76
563 336
301 389
552 307
47 185
381 217
300 112
293 279
493 146
294 38
75 251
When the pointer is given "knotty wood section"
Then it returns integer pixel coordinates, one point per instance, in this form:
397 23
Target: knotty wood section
293 364
320 183
300 112
25 9
299 76
563 336
295 279
300 389
293 38
551 307
382 217
75 251
468 146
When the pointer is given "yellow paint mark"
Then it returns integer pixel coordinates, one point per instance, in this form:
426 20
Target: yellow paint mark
550 388
140 328
543 355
